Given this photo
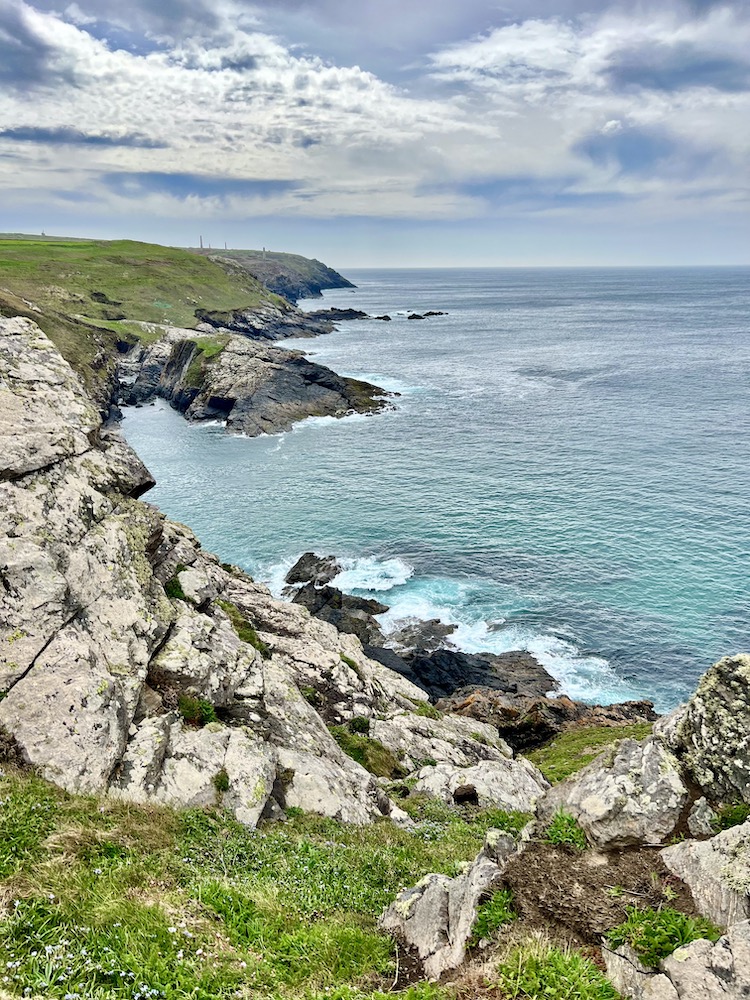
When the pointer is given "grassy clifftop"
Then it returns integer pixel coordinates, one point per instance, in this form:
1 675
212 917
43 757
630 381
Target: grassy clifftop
109 281
287 274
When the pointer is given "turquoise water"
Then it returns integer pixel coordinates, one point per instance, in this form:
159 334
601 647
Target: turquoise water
567 468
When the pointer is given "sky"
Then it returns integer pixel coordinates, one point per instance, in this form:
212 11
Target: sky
384 132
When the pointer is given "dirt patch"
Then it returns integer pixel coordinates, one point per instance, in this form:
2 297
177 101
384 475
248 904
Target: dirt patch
578 897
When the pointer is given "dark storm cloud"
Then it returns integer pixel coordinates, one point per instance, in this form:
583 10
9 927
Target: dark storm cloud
181 186
26 60
72 137
675 67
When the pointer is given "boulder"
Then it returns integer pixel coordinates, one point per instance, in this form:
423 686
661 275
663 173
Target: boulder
446 671
631 794
717 872
312 568
433 920
712 734
415 739
513 785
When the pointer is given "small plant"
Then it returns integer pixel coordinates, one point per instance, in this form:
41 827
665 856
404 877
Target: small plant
493 914
360 724
244 629
349 662
311 695
173 588
564 831
371 754
196 711
221 780
538 969
655 934
731 814
428 711
480 738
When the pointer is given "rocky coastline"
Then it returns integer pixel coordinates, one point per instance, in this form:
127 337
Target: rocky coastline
136 667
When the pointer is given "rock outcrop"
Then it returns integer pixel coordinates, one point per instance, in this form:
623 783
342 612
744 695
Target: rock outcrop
717 872
631 794
290 275
434 919
252 387
712 733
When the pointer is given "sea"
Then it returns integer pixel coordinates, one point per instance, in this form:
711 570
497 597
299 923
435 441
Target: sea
565 468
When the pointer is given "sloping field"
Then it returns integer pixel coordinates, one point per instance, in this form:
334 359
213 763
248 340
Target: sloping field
109 281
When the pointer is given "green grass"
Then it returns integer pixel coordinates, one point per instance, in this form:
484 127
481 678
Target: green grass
123 279
207 351
493 914
370 753
564 831
244 629
574 749
538 970
438 817
427 711
655 934
196 711
731 814
111 901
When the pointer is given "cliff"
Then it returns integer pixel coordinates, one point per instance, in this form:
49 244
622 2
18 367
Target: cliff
287 274
179 326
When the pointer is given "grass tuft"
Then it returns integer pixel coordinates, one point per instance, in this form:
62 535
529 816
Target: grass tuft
565 831
493 914
538 969
370 753
655 934
572 750
244 629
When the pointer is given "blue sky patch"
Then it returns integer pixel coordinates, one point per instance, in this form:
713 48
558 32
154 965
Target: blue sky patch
136 185
72 137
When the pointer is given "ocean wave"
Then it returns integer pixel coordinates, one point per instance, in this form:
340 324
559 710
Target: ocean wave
456 602
373 574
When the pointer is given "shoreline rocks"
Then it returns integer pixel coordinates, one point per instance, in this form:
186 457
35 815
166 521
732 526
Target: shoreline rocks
254 388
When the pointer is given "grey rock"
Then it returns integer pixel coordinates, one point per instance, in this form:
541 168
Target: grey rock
631 794
434 919
717 872
701 819
719 971
449 740
712 736
500 783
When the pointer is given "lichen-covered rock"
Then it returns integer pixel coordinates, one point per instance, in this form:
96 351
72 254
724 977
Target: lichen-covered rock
631 794
416 739
717 872
701 819
712 735
513 785
434 919
44 416
699 971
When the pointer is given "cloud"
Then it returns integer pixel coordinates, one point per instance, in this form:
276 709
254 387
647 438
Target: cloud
73 137
677 67
26 58
215 114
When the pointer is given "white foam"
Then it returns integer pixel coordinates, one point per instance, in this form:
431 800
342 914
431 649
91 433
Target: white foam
372 573
585 677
